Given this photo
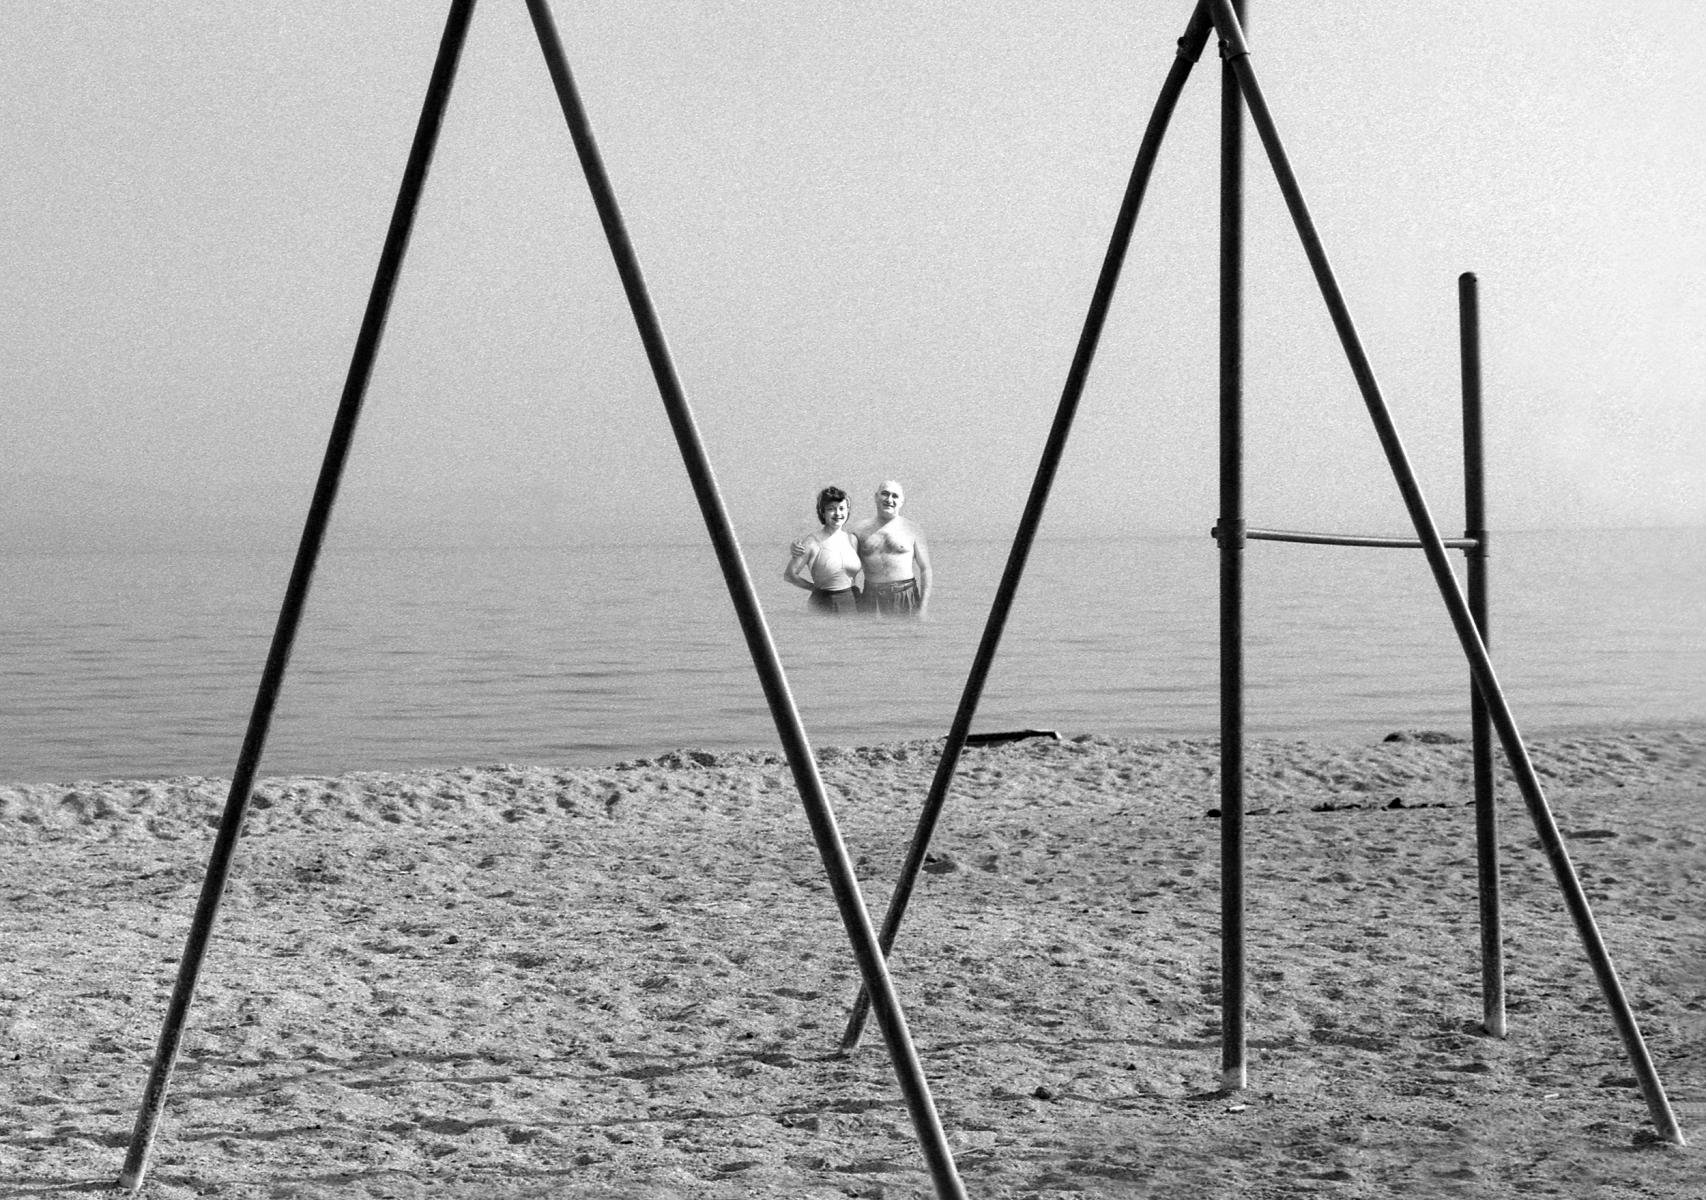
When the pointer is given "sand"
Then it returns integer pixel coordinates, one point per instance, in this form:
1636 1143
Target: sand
528 981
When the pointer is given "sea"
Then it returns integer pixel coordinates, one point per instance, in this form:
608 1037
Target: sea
145 664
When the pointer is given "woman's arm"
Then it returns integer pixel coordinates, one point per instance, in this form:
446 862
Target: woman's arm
799 569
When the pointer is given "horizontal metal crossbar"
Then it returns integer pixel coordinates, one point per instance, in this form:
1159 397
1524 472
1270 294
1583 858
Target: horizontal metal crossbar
1348 539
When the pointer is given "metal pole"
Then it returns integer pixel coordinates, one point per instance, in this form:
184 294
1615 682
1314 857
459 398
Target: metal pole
296 593
837 863
1486 680
1189 49
1345 539
1234 1073
1481 732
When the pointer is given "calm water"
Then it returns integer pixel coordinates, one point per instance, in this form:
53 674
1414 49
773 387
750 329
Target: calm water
146 665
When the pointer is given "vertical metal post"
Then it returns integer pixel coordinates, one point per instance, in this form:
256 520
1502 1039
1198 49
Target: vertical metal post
838 865
1480 727
1234 1073
296 592
1189 49
1481 664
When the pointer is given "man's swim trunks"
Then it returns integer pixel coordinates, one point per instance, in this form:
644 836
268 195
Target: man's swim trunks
897 599
845 600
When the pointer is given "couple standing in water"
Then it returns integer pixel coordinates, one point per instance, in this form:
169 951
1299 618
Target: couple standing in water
887 549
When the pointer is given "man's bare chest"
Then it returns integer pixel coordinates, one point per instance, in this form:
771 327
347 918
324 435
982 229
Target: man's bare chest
886 542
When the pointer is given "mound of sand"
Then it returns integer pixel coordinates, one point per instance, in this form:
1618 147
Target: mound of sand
524 981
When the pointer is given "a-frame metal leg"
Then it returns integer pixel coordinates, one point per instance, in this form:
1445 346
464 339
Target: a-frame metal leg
1480 663
837 864
1190 49
296 592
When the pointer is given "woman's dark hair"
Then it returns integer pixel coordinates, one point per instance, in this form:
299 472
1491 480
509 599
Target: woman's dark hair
829 495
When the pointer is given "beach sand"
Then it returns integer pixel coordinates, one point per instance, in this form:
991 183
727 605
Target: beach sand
630 982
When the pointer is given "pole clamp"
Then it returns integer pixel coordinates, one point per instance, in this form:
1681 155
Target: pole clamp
1232 44
1230 534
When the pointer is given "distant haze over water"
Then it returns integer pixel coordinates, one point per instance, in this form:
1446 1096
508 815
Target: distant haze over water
145 664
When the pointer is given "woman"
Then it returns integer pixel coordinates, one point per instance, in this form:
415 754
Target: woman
826 562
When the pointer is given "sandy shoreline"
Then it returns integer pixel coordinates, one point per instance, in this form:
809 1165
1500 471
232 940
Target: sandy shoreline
628 981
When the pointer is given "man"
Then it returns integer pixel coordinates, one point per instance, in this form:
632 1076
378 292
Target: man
895 558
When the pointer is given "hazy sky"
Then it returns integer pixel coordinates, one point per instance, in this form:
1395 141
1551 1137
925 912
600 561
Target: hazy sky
871 231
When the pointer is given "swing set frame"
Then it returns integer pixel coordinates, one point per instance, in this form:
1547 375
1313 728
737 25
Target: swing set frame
1241 94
